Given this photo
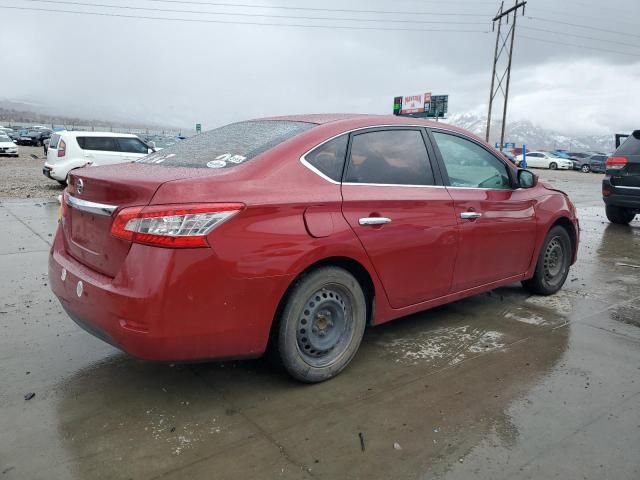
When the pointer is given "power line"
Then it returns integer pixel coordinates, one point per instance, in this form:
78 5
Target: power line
318 9
587 37
261 15
580 25
579 46
229 22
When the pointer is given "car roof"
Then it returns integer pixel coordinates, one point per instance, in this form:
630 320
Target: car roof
358 120
95 134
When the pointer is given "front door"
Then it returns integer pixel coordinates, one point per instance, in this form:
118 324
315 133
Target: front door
497 222
404 220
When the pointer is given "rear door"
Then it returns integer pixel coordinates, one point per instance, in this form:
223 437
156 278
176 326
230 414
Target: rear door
100 150
497 222
396 204
628 177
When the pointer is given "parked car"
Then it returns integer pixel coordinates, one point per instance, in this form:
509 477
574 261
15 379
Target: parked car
597 162
70 150
580 161
546 160
269 231
621 184
35 137
7 147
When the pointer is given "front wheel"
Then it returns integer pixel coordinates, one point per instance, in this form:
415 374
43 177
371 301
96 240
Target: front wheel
322 324
553 166
619 215
553 263
585 169
39 143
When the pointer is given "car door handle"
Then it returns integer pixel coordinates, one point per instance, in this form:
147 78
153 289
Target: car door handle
470 215
374 221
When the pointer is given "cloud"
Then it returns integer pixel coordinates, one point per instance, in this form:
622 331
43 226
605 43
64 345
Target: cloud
179 73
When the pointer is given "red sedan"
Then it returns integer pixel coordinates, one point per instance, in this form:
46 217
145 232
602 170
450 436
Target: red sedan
298 232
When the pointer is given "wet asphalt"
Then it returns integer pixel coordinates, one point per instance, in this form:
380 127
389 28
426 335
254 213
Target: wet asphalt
503 385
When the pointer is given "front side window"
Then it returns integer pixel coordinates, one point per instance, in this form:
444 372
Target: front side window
470 165
132 145
391 157
328 158
104 144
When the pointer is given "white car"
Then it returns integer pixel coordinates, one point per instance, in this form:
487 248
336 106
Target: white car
71 150
546 160
7 147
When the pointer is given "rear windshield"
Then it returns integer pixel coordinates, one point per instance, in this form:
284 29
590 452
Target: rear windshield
53 143
228 146
631 145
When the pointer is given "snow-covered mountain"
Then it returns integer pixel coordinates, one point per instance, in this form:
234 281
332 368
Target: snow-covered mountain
534 136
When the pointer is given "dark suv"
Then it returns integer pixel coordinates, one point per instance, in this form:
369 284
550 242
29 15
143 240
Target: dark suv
621 184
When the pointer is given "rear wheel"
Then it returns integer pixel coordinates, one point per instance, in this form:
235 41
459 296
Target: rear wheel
620 215
585 169
553 165
553 263
322 324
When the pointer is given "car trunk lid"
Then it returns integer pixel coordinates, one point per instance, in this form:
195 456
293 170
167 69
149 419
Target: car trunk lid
93 198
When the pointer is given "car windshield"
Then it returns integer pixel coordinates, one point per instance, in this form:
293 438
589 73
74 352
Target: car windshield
4 138
554 155
228 146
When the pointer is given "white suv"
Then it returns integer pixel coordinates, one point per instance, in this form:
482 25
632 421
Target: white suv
70 150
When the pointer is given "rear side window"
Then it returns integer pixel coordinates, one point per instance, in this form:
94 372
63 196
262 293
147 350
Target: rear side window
328 158
132 145
228 146
631 145
105 144
393 157
53 143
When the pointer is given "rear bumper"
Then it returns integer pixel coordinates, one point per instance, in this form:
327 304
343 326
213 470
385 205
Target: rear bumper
161 307
621 197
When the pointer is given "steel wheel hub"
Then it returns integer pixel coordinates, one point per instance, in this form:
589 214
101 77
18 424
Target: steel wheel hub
553 259
324 326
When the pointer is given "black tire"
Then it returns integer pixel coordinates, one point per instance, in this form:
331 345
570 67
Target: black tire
619 215
553 263
585 168
553 166
321 325
62 182
39 143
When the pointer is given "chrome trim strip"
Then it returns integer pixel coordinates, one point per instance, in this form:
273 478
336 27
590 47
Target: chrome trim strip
90 207
352 184
625 187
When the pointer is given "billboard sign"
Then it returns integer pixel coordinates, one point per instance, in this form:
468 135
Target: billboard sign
415 103
439 106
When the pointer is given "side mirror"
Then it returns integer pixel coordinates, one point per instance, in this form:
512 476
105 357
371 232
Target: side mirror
527 179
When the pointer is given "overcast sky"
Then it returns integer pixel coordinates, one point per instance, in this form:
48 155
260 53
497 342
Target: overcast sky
179 73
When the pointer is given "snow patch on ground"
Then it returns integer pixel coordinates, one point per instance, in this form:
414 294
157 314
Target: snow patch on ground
525 316
560 302
451 343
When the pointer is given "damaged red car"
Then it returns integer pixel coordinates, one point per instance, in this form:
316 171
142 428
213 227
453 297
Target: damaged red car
295 234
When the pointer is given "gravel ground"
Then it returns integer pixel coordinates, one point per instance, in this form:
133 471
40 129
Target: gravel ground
22 177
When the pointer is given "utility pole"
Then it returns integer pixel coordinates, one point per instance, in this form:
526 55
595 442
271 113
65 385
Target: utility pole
504 44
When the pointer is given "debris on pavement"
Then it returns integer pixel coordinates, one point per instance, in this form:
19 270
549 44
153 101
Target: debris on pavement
29 396
397 446
361 436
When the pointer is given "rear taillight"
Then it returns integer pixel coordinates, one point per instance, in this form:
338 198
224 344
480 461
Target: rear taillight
62 148
606 192
174 226
616 163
